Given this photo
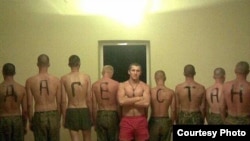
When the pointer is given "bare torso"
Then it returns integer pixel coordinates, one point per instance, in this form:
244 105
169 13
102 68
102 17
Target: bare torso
77 86
213 97
161 100
11 98
190 96
141 90
237 96
105 92
44 88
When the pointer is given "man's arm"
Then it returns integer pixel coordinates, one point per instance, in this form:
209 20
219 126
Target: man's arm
89 98
203 104
63 102
145 101
94 103
207 107
30 109
177 103
59 97
24 110
123 99
173 108
223 106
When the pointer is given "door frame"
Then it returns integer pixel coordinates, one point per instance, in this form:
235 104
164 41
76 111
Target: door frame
146 43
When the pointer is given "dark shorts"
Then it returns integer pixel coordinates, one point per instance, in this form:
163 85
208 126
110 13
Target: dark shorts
214 119
134 128
191 118
107 125
237 120
46 126
78 119
11 128
160 128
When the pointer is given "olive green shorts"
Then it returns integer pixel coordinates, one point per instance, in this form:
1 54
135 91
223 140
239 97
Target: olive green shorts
11 128
107 125
46 126
214 119
191 118
237 120
78 119
160 128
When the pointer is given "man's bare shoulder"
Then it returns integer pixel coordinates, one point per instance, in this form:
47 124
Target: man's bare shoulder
53 77
114 81
96 83
180 85
32 79
154 88
229 82
144 83
210 87
65 77
124 84
19 85
83 74
169 90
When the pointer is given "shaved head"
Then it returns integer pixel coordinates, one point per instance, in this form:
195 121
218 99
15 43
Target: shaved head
189 70
43 60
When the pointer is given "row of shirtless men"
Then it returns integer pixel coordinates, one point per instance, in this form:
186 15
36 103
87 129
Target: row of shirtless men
125 111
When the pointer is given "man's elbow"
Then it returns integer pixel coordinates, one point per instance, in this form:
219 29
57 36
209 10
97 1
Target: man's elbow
121 103
146 104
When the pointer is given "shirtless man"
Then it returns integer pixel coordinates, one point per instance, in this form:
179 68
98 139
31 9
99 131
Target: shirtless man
13 107
213 98
77 112
45 90
162 103
236 95
105 106
190 99
134 99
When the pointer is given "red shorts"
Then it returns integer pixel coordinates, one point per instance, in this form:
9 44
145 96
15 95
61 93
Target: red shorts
134 128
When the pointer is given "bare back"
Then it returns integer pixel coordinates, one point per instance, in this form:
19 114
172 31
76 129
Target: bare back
236 97
105 94
12 98
213 97
77 87
161 100
45 89
190 96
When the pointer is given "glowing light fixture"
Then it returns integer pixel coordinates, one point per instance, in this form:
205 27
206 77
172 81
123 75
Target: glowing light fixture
129 12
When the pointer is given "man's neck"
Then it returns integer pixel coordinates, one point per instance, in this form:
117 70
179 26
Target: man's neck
75 69
43 70
160 83
8 79
241 77
134 81
189 79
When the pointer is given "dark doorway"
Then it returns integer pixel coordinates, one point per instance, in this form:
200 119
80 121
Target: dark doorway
121 56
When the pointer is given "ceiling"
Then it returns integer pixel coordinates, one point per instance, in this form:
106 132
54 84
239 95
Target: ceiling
90 7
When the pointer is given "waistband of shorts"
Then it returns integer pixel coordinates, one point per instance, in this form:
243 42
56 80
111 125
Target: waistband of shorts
134 117
240 116
156 117
190 113
52 111
107 111
10 116
85 108
214 113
